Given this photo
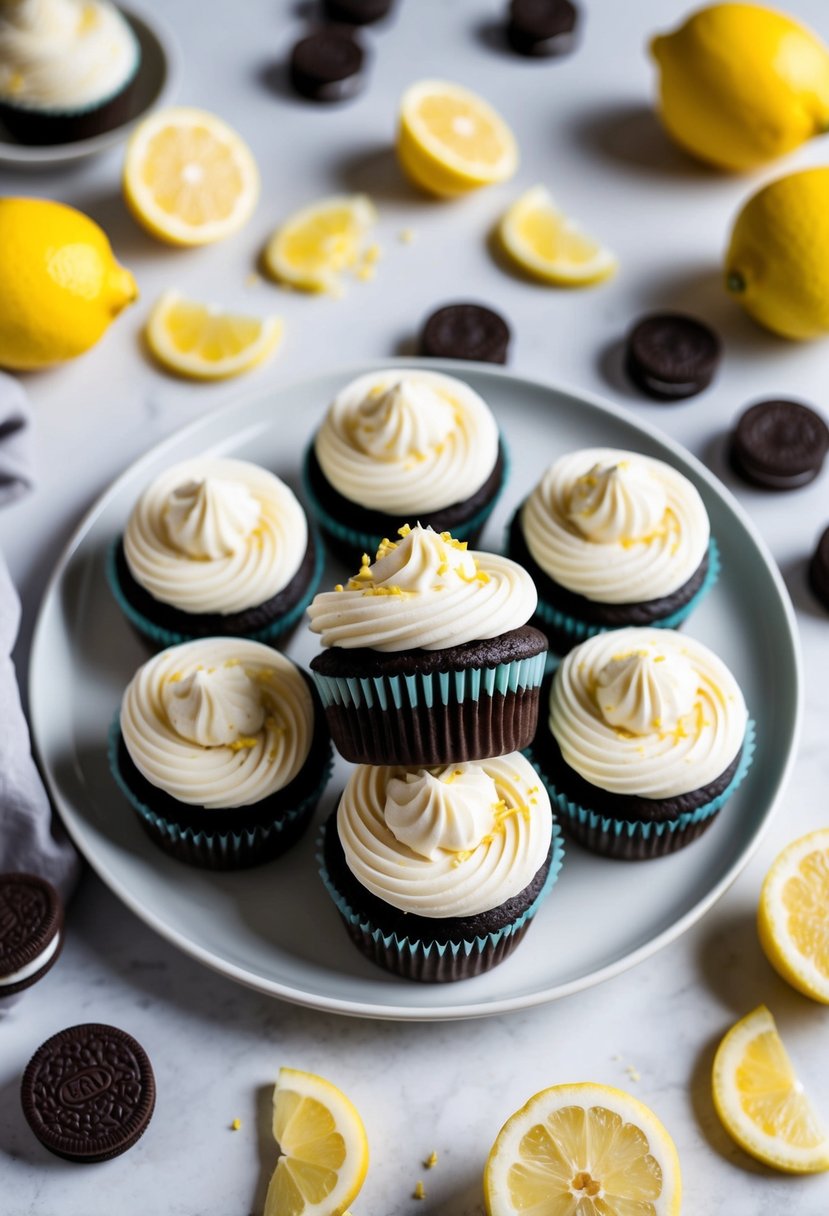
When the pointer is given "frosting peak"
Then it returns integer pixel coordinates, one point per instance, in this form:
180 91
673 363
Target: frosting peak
645 690
437 810
409 418
616 503
210 518
422 560
214 707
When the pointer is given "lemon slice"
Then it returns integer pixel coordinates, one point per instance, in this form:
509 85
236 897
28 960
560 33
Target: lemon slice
793 916
450 141
314 246
583 1150
549 246
323 1145
761 1102
188 177
203 343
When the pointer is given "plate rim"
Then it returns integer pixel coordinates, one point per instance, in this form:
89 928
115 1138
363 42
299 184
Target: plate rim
402 1012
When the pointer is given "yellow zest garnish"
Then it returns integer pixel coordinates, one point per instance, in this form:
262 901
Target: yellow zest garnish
419 1192
482 576
405 236
404 531
373 254
235 1125
174 678
339 587
431 1161
243 743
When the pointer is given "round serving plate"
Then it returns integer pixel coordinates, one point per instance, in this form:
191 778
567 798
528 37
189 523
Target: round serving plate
274 927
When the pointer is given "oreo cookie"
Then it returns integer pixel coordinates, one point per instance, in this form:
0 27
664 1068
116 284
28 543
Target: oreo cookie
88 1093
671 356
327 66
542 28
31 931
466 331
357 12
779 445
819 570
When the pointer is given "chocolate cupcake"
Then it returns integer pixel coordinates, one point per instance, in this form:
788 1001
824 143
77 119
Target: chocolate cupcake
437 873
222 750
647 738
398 444
67 69
215 547
612 539
429 659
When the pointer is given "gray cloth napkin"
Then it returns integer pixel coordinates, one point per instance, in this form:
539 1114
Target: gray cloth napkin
31 840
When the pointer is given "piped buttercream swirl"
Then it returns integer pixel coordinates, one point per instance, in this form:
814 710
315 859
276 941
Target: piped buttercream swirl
220 722
425 591
215 535
511 836
616 526
404 441
646 712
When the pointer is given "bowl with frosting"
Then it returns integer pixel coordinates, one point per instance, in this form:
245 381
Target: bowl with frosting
646 738
221 748
215 546
428 657
437 873
402 443
612 539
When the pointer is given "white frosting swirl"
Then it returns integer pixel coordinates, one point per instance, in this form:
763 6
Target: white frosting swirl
643 752
448 881
404 441
220 722
615 526
215 535
64 54
425 592
451 808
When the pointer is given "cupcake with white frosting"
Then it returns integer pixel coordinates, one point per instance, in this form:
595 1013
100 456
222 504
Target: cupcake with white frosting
437 872
647 737
215 546
613 538
404 444
221 747
428 656
67 69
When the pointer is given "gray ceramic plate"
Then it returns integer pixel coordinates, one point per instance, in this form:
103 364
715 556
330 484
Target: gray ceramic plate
274 928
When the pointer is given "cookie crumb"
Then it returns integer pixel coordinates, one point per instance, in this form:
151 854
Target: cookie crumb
419 1192
236 1125
431 1161
633 1073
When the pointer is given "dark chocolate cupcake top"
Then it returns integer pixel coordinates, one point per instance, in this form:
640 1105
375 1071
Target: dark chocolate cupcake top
31 920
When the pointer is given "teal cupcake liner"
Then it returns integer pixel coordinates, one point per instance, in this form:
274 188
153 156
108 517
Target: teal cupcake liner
221 850
162 637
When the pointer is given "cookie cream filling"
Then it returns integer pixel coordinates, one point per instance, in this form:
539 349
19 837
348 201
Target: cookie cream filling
218 723
426 591
454 841
407 441
33 966
646 712
215 535
64 54
616 526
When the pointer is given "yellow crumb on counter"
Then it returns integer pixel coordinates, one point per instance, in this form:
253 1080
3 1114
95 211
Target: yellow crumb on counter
431 1161
419 1192
236 1125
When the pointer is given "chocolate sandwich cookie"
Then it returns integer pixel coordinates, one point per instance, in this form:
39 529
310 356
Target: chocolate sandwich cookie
466 331
31 930
542 28
327 65
671 356
357 12
819 570
779 445
88 1093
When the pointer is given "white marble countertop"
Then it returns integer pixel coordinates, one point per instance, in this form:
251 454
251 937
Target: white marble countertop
586 129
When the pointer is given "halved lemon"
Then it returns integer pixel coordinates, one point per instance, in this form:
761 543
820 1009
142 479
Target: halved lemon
316 245
189 179
323 1145
583 1150
203 343
551 247
451 141
793 916
761 1102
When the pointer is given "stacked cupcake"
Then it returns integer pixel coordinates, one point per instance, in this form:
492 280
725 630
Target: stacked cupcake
443 844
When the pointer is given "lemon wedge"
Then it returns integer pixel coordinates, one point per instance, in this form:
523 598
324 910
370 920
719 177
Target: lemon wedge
323 1145
549 246
188 177
451 141
793 916
316 245
761 1102
202 343
586 1149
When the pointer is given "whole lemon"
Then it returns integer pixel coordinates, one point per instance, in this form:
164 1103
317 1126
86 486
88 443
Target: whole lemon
61 283
777 263
741 85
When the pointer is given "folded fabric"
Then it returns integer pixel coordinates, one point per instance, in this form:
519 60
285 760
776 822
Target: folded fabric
15 440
